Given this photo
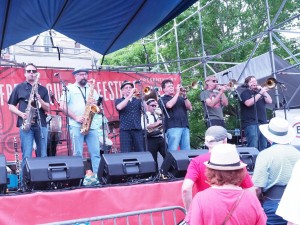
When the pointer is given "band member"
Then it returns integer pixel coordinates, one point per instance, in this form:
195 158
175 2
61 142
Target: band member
24 102
253 112
79 95
177 125
156 142
214 100
129 108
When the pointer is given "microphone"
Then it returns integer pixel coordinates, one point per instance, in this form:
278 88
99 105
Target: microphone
99 101
226 73
56 74
201 85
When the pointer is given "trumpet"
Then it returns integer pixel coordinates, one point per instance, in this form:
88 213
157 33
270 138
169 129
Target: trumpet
270 83
193 85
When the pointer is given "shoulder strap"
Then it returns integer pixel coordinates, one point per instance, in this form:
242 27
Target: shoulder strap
235 204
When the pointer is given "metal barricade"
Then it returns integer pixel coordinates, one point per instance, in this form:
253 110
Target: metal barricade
171 215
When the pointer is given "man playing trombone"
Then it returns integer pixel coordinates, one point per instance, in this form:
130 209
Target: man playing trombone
253 112
214 99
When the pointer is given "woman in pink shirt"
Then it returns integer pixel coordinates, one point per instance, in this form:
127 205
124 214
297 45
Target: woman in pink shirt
225 202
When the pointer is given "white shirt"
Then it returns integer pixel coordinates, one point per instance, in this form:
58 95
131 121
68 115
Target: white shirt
289 205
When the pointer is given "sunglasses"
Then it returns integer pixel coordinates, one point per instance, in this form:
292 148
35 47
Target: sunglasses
153 105
31 71
214 81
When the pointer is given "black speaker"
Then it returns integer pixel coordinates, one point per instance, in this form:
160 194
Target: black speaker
54 172
126 167
248 155
3 174
176 162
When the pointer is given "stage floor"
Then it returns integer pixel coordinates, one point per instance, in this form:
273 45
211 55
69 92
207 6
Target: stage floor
53 206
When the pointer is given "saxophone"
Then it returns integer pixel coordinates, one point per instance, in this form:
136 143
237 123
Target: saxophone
31 106
90 110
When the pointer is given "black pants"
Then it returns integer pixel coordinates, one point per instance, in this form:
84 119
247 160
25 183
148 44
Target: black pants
214 122
155 145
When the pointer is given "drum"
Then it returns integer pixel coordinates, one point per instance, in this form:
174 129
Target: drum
54 123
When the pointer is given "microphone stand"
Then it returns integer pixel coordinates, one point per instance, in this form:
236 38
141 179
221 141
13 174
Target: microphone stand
105 150
208 122
284 102
65 90
162 116
143 110
38 153
256 117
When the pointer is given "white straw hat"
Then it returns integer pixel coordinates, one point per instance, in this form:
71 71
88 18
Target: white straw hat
225 157
278 130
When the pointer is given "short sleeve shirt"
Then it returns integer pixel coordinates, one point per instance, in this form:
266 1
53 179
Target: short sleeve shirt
76 97
20 96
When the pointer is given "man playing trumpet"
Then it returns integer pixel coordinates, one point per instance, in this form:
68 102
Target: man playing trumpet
130 110
214 99
253 112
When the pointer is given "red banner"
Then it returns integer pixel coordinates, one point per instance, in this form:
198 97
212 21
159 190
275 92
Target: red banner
107 84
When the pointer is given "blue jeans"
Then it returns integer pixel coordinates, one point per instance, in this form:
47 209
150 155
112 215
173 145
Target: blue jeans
27 138
255 138
178 136
270 207
92 141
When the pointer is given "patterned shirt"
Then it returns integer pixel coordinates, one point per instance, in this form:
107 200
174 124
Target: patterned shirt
130 115
274 166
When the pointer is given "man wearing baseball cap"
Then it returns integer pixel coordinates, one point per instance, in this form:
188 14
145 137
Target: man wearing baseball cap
195 176
274 165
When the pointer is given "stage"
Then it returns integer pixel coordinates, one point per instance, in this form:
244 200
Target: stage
45 206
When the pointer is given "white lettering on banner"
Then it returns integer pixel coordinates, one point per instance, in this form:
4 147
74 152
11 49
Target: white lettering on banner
5 92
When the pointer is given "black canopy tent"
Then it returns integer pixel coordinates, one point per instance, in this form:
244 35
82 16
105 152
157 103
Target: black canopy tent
261 68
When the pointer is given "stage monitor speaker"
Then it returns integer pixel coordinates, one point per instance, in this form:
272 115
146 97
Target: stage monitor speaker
126 167
248 155
3 174
54 172
176 162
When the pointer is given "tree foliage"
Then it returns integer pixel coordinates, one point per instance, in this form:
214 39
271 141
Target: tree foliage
225 23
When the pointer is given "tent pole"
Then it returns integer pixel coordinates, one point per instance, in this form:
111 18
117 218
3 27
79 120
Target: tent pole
177 47
272 52
203 61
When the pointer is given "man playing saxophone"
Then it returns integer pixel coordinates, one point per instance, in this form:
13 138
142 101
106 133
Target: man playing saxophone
30 102
156 141
79 104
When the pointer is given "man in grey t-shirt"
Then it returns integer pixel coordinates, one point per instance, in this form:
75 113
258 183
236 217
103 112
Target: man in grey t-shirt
213 100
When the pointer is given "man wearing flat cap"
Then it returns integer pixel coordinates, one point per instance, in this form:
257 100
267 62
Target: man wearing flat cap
195 176
73 104
274 165
130 113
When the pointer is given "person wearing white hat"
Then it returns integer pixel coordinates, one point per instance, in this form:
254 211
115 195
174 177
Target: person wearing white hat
289 205
274 165
73 105
195 178
225 201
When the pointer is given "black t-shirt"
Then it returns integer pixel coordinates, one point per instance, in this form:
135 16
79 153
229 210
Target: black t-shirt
178 113
20 96
248 114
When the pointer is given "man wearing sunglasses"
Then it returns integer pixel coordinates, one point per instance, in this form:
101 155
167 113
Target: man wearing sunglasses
156 141
213 99
17 104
